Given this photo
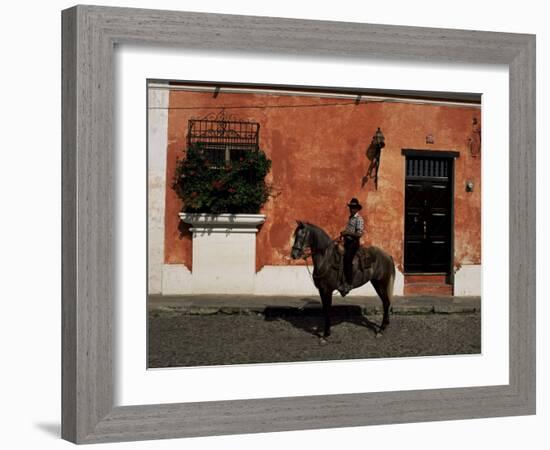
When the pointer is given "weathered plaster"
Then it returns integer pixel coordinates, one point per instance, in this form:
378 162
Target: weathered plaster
318 155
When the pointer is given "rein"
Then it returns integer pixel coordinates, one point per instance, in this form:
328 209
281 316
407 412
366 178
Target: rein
326 263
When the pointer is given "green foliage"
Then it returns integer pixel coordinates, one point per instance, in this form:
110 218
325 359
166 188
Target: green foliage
236 187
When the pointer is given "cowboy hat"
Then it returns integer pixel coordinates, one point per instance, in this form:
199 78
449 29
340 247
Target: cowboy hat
354 203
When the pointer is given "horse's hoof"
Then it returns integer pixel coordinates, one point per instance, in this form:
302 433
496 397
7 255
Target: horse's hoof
323 341
379 335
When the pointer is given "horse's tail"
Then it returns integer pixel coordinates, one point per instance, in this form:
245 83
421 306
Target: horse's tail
391 280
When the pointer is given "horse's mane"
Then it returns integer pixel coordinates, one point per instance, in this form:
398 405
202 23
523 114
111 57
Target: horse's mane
321 240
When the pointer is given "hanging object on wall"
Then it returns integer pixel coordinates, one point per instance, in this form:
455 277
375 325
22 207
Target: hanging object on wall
430 139
474 141
373 154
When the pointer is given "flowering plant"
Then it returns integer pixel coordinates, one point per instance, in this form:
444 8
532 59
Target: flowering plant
237 187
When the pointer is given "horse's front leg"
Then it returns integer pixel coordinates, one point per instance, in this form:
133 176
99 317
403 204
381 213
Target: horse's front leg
326 298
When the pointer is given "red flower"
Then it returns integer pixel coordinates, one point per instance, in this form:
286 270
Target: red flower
217 184
232 190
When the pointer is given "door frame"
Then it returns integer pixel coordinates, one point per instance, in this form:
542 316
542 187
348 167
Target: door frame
443 154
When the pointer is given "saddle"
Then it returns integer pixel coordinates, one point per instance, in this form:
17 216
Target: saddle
361 262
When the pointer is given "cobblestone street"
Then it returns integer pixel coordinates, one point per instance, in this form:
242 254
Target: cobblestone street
287 334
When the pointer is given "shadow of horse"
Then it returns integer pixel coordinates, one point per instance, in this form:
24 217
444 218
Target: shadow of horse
306 318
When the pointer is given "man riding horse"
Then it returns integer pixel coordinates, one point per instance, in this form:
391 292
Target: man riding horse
351 235
374 265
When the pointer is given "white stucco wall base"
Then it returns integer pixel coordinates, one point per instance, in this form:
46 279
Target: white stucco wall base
271 280
468 280
399 283
157 116
296 280
224 252
223 263
176 280
284 280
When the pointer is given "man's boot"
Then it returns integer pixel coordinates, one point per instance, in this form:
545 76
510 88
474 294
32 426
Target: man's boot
344 289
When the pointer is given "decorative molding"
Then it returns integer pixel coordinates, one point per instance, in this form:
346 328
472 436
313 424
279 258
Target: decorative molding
235 223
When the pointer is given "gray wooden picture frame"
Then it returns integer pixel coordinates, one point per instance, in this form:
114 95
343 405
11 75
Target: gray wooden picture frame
89 34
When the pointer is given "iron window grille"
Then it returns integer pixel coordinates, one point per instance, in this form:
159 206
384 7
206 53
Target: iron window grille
428 168
223 139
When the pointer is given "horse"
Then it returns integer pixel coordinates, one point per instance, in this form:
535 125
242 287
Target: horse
370 264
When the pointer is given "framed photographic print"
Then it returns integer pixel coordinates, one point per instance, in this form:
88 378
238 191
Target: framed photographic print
243 195
245 161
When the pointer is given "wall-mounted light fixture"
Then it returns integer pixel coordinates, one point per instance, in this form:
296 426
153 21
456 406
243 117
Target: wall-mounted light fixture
469 186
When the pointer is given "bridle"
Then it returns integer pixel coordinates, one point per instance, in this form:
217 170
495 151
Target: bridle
306 255
300 248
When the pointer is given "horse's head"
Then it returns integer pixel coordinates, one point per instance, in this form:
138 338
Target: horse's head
301 239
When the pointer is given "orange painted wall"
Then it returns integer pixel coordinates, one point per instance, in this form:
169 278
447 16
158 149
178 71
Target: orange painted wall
318 152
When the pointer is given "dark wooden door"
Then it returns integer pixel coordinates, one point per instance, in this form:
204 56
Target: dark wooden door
428 215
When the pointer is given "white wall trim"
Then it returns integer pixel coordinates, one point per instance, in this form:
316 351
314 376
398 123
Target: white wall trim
270 280
157 115
176 280
296 280
467 280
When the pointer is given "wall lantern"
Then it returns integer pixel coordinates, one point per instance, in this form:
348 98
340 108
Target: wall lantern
373 153
469 186
379 139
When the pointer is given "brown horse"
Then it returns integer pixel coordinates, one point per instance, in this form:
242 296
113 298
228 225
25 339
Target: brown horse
370 264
